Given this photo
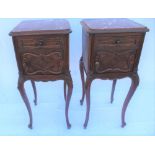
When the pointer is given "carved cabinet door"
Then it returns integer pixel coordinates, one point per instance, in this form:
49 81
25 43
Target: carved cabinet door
38 63
111 61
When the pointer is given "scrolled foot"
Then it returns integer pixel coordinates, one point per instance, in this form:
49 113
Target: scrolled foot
81 102
30 126
69 126
35 102
85 126
111 101
123 124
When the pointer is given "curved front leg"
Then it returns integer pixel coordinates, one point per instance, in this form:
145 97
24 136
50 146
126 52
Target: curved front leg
82 79
87 90
134 84
113 90
35 91
25 99
68 97
65 90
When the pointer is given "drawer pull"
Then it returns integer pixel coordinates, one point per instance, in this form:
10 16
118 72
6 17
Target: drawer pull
117 42
97 64
41 43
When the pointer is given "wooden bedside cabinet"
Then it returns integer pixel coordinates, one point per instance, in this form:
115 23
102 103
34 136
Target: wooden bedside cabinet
111 49
42 54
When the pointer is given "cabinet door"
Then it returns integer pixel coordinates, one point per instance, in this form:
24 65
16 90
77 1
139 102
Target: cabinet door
39 63
114 61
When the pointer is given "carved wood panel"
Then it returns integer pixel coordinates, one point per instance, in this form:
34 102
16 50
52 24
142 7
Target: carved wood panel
114 61
41 64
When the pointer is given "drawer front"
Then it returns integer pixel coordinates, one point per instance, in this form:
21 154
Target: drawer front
42 64
38 42
108 61
117 42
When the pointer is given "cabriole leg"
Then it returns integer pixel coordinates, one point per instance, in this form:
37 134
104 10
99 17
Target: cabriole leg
87 89
82 79
25 99
134 84
68 97
113 90
35 91
65 90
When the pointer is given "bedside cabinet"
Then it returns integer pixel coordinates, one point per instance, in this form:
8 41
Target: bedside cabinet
111 49
42 54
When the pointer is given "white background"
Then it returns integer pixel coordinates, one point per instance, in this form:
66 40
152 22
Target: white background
137 145
48 116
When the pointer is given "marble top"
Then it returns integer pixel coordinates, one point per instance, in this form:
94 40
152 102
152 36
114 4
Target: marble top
112 25
37 27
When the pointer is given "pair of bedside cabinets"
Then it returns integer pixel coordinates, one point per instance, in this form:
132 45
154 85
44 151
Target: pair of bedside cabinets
111 49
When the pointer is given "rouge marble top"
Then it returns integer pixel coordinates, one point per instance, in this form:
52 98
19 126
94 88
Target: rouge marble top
37 27
110 25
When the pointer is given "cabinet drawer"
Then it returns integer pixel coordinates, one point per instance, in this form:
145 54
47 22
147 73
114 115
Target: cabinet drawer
114 61
33 42
42 64
116 42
